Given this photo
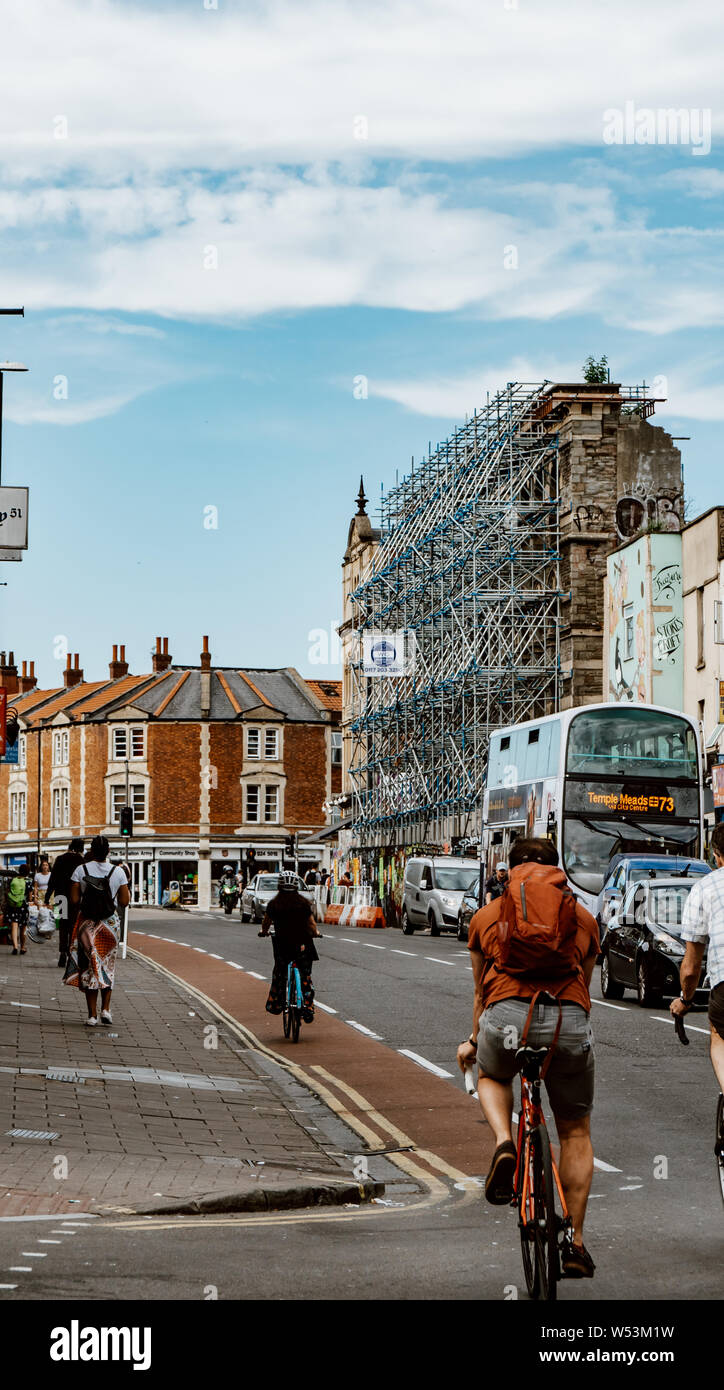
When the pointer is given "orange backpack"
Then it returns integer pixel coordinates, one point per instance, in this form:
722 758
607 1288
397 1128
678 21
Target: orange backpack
537 925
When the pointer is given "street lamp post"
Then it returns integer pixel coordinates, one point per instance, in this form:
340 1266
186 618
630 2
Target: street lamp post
6 367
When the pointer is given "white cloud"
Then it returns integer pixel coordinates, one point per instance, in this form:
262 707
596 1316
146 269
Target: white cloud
35 411
454 397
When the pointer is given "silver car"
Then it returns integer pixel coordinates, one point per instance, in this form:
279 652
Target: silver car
261 890
434 890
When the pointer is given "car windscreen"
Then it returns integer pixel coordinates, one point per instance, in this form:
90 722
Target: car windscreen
455 880
265 882
587 845
666 905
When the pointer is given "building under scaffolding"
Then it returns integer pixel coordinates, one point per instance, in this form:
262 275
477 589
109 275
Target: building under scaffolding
485 558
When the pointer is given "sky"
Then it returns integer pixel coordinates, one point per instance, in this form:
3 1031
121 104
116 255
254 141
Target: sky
264 248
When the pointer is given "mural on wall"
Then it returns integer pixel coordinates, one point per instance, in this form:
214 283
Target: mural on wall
646 622
640 508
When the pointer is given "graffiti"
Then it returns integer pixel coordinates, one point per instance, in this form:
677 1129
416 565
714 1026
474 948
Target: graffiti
593 517
639 509
667 582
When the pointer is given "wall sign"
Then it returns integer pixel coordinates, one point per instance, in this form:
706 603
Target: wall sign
13 518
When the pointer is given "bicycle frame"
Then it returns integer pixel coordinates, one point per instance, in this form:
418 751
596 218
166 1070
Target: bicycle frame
294 987
535 1185
531 1117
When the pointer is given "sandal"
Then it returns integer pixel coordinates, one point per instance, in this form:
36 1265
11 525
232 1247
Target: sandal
576 1263
499 1182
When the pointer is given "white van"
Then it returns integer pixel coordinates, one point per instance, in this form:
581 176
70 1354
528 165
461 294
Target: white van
433 891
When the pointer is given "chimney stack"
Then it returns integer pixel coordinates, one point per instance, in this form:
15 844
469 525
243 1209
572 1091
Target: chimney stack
118 666
9 674
206 656
27 682
161 658
72 674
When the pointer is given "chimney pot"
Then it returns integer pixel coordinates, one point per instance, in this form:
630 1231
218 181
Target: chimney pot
67 662
32 669
158 645
161 658
25 668
76 662
115 653
165 646
205 656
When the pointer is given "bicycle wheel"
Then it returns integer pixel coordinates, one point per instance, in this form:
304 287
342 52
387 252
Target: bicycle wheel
719 1145
296 1020
546 1221
287 1021
525 1227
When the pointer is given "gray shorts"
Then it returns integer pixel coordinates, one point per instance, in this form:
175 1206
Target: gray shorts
569 1080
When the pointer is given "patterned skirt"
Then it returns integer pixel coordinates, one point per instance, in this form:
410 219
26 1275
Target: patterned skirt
278 990
92 954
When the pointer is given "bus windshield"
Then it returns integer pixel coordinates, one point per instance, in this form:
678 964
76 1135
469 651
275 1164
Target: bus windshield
588 845
633 743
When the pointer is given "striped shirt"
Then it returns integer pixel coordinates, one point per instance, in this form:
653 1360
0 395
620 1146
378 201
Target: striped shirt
703 921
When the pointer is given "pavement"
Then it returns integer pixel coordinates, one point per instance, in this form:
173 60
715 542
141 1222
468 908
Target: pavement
166 1110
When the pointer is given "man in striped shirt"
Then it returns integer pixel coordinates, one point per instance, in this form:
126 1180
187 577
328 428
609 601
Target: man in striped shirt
702 926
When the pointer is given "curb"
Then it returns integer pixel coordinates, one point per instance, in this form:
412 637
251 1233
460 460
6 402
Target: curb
269 1199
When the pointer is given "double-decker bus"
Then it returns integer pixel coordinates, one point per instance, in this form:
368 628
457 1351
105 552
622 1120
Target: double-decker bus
599 780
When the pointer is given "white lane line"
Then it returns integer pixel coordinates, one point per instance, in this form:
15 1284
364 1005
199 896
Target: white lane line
361 1029
45 1240
201 950
372 947
397 952
631 1187
604 1002
324 1007
17 1005
437 960
20 1269
8 1286
256 976
605 1167
234 965
352 940
423 1062
34 1254
214 956
689 1026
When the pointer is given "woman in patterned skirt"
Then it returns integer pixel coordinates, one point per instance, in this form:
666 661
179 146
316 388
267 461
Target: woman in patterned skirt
99 889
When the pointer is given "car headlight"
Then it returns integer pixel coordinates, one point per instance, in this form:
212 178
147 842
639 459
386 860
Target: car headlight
667 943
447 901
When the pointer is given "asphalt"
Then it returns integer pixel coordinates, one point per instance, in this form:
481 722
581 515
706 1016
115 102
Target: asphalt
655 1222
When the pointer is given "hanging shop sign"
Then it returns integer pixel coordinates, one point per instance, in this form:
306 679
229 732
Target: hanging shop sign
13 518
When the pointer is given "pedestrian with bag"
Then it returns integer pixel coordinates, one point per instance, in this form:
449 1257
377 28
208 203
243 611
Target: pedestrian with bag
533 951
59 889
16 909
97 889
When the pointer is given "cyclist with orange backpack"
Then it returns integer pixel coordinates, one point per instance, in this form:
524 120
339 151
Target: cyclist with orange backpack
533 951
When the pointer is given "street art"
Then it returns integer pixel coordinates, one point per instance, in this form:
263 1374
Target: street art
639 509
646 622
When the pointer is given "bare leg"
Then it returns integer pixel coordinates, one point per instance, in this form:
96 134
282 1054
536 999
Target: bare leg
14 929
576 1169
91 999
496 1098
105 999
717 1057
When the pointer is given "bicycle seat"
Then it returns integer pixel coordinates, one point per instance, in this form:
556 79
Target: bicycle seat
530 1060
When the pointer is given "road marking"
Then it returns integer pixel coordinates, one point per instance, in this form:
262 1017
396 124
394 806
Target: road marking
34 1254
632 1187
8 1286
16 1004
20 1269
437 960
604 1002
325 1007
689 1027
45 1240
396 950
423 1062
256 976
352 940
214 956
605 1167
372 947
361 1029
201 950
234 965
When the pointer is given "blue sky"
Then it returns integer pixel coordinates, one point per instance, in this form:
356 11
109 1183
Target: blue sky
209 254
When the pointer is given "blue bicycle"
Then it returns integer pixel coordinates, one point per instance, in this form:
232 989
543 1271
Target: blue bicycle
293 1003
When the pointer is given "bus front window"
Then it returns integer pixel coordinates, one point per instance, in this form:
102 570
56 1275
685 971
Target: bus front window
588 846
632 743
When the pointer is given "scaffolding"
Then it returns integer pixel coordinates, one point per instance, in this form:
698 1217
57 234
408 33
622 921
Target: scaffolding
469 564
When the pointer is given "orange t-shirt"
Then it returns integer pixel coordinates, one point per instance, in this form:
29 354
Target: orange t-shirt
497 985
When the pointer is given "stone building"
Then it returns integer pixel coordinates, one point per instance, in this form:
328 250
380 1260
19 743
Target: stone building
703 572
220 765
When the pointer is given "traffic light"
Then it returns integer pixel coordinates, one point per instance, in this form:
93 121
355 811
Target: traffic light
291 845
126 820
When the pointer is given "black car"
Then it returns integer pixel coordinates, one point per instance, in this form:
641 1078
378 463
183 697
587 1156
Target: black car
643 949
625 869
468 906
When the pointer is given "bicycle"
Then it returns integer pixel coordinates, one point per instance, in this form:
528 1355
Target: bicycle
535 1185
719 1123
293 1003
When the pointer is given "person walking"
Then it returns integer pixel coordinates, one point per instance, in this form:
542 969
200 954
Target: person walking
496 884
702 931
16 909
97 890
59 889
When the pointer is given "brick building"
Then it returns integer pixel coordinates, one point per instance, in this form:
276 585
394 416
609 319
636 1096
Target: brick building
215 763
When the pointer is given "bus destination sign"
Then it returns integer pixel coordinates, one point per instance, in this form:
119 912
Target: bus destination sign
632 799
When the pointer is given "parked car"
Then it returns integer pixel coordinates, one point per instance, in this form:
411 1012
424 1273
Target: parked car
261 890
433 890
467 908
626 869
643 949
